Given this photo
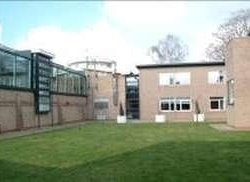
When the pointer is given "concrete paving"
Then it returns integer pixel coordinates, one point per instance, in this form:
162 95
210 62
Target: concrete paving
223 127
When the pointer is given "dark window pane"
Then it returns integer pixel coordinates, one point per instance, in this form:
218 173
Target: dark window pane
172 105
164 105
178 107
214 105
185 106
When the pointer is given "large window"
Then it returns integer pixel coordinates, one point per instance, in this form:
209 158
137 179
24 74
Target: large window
175 104
67 81
217 103
22 72
14 70
167 104
216 77
180 78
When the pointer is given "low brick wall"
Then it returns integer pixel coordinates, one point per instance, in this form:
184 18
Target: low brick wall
17 110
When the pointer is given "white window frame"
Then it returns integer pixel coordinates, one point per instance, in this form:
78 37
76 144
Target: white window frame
217 72
219 98
186 74
167 100
180 99
164 79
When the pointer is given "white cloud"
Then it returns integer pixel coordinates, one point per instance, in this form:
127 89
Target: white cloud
146 21
100 40
151 21
147 13
123 34
201 41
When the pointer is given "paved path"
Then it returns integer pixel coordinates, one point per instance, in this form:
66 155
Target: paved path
222 127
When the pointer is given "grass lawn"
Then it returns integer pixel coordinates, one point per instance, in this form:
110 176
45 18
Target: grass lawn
129 152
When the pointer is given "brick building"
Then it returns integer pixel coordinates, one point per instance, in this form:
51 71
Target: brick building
175 90
36 92
105 91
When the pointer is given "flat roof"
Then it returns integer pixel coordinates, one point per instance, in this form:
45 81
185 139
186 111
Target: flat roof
186 64
43 52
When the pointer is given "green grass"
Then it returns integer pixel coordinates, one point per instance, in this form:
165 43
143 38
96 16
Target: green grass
130 152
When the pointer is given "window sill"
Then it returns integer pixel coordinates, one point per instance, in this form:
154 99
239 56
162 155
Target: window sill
217 83
171 86
211 110
175 111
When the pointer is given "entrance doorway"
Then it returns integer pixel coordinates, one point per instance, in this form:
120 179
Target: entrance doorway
132 96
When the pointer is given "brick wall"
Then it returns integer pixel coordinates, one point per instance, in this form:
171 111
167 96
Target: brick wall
199 89
238 66
101 87
17 110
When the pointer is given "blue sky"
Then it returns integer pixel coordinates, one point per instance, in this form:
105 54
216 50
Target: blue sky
18 17
122 31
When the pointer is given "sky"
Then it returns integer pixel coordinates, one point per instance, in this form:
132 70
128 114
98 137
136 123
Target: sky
117 30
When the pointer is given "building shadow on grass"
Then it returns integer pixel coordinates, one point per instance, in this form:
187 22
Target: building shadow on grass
167 161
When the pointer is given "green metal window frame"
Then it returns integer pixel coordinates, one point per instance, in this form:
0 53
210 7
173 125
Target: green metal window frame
14 85
32 74
82 79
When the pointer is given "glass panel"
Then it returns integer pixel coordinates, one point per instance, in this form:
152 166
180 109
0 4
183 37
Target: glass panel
216 77
79 84
162 79
44 79
182 78
217 103
132 81
42 92
62 80
172 105
70 83
185 105
214 104
166 79
44 107
65 81
164 105
178 105
44 100
6 69
22 73
54 79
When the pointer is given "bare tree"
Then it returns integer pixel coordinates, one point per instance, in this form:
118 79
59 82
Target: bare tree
237 25
170 49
